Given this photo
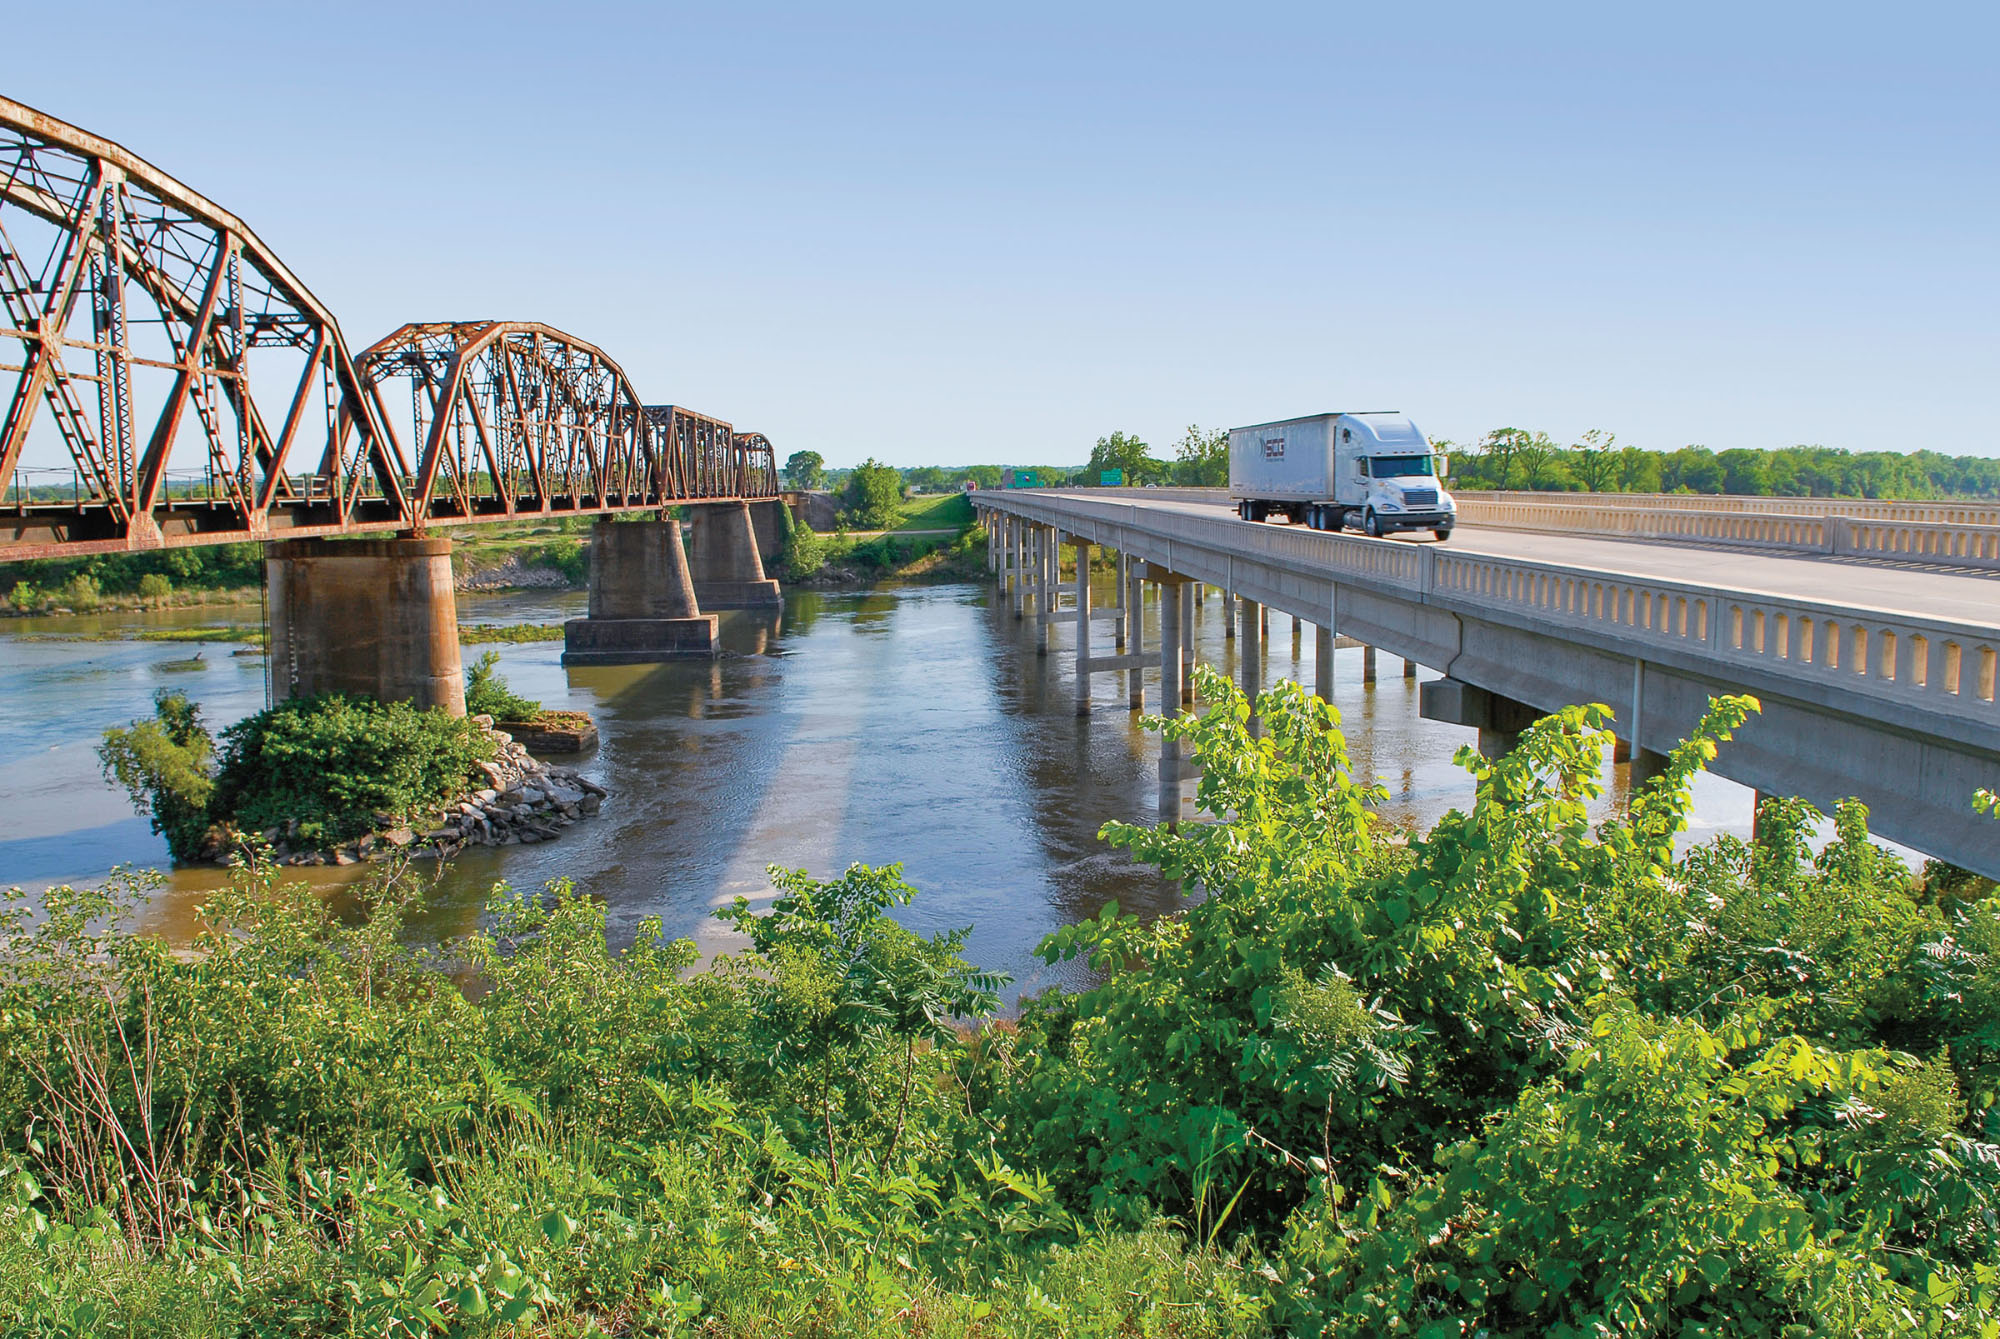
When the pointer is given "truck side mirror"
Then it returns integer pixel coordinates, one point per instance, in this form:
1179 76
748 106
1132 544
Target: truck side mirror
1444 466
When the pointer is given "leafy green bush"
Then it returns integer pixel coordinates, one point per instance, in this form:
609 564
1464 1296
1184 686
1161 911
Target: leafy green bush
333 763
165 766
1523 1074
155 586
805 552
872 497
487 694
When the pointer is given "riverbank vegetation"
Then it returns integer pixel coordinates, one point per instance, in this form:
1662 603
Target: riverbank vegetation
322 770
1521 1074
161 578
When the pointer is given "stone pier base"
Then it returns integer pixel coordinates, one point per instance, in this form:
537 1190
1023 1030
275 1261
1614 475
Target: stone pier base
642 604
728 572
375 617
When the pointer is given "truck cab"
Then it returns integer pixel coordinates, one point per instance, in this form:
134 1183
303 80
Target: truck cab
1386 477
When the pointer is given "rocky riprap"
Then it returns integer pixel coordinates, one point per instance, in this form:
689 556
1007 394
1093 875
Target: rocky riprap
523 802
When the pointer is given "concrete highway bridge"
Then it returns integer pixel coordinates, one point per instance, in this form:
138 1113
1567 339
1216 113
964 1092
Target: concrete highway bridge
202 395
1870 632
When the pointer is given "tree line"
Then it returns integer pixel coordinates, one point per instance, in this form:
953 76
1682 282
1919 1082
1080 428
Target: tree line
1505 458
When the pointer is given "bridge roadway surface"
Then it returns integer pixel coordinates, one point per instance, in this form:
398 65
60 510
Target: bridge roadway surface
1907 720
1962 596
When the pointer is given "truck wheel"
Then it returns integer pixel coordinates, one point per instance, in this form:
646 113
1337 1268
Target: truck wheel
1336 519
1443 533
1371 524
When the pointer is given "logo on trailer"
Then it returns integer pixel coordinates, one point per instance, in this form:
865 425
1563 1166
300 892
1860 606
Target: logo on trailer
1274 447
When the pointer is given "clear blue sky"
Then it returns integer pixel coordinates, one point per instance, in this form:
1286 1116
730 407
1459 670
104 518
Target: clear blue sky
937 234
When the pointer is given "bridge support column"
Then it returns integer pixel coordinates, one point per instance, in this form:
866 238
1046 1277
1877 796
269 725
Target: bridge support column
1250 652
1121 580
1188 589
1409 668
1368 664
1229 615
642 603
1082 547
729 574
1018 578
1135 637
1323 662
1047 555
375 617
1172 635
1499 720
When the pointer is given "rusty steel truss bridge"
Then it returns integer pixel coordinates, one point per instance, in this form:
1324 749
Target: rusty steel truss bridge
203 395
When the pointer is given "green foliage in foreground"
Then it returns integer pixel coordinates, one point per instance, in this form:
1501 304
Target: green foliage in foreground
332 764
487 694
1520 1075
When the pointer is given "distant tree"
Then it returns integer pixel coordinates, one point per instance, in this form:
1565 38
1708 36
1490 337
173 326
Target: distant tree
805 470
1692 469
1541 462
1498 449
1201 458
1638 470
872 498
1595 460
926 479
1122 451
986 476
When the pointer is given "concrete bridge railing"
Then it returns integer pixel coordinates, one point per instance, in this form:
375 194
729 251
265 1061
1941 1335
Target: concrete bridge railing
1936 512
1931 664
1894 538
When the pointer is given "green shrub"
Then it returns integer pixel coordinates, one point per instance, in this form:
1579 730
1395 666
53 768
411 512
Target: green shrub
805 552
334 762
24 596
487 694
872 497
164 764
155 586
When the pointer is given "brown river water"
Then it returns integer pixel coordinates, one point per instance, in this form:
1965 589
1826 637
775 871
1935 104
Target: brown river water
904 723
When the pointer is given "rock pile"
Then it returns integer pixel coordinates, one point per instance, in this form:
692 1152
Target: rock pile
523 802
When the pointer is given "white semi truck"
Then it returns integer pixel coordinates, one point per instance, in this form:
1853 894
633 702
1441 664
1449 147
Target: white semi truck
1375 472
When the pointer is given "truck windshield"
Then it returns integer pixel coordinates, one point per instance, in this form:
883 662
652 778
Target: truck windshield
1390 467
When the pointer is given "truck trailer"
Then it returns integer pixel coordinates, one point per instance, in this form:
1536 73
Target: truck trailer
1373 471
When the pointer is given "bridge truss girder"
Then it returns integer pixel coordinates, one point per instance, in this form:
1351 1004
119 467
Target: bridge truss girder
137 316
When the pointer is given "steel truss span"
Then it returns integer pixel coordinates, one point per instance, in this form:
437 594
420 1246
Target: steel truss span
166 380
515 417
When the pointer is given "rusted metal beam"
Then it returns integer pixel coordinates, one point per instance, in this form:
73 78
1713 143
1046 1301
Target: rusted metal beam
93 235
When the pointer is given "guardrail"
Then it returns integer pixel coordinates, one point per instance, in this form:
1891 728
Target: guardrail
1789 532
1934 665
1925 512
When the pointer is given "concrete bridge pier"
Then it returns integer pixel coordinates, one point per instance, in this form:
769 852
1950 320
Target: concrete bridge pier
1174 598
1641 764
1250 653
1229 615
1187 591
1121 582
1368 664
375 617
1135 638
728 572
1323 662
1409 668
1046 557
1018 579
1499 720
1082 625
642 601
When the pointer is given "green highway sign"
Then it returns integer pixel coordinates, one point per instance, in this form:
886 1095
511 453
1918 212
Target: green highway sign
1111 478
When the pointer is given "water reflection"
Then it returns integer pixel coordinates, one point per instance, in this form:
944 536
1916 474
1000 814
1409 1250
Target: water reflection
913 724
